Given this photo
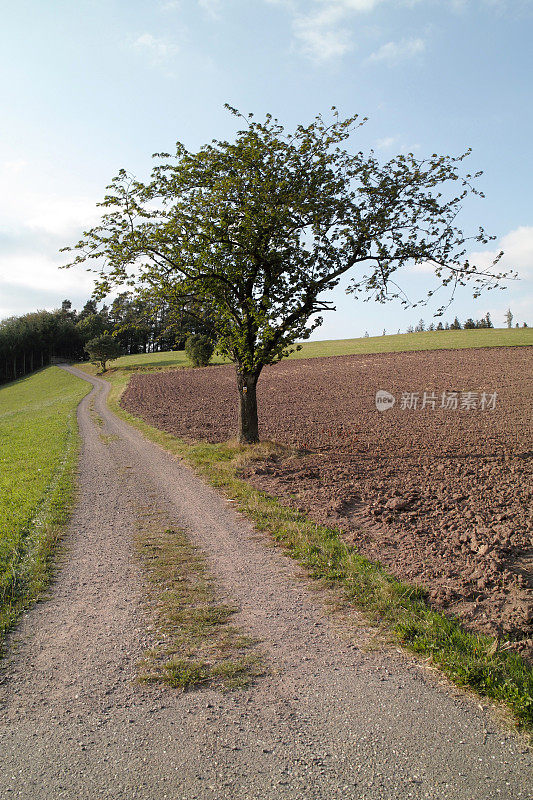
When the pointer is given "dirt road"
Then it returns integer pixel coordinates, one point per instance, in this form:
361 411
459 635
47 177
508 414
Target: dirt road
330 721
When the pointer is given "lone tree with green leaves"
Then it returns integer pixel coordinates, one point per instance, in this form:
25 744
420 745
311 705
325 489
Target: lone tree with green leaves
199 349
102 349
254 232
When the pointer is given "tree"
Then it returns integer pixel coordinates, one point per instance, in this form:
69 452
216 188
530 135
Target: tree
93 325
89 309
102 349
257 231
199 349
509 318
66 309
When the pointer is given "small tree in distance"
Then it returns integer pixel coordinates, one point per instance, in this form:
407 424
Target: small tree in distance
102 349
199 349
258 230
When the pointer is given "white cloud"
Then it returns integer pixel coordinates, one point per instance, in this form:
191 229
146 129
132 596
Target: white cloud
388 141
211 7
518 253
319 35
35 271
322 28
156 49
393 52
34 225
353 5
42 213
61 216
14 166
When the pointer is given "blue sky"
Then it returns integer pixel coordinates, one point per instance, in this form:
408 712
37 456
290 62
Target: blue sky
92 86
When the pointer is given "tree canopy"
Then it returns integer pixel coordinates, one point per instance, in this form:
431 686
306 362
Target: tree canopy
102 349
248 235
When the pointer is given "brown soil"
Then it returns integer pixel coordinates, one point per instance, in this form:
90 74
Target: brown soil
442 497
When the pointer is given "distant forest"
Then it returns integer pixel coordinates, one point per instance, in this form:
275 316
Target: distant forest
34 340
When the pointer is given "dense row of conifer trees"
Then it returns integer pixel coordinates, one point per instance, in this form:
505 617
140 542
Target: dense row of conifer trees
34 340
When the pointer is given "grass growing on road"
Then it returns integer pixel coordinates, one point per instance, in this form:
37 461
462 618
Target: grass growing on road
401 610
39 446
196 646
397 343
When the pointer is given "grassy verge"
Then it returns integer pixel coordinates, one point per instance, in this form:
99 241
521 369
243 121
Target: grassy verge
39 447
470 660
196 644
396 343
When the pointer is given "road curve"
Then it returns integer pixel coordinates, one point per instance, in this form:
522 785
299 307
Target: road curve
331 721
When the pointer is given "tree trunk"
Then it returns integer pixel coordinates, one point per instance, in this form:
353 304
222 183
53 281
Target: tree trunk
248 425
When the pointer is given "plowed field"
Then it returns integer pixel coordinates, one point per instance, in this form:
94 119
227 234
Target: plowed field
441 495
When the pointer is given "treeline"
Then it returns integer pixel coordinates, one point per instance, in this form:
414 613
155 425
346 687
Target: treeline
484 322
34 340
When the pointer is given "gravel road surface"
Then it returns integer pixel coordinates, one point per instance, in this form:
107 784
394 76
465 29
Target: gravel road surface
331 721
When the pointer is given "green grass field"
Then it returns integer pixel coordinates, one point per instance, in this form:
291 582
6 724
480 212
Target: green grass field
38 456
397 343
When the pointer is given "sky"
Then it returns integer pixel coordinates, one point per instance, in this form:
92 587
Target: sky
90 87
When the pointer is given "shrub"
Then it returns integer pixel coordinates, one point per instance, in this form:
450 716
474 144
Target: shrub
199 349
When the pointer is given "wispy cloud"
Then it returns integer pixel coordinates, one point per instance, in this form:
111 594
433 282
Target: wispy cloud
170 5
324 33
34 224
158 50
322 28
386 143
211 7
353 5
517 247
320 35
518 252
393 52
15 166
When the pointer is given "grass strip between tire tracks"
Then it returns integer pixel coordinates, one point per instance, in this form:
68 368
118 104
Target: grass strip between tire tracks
196 646
470 660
